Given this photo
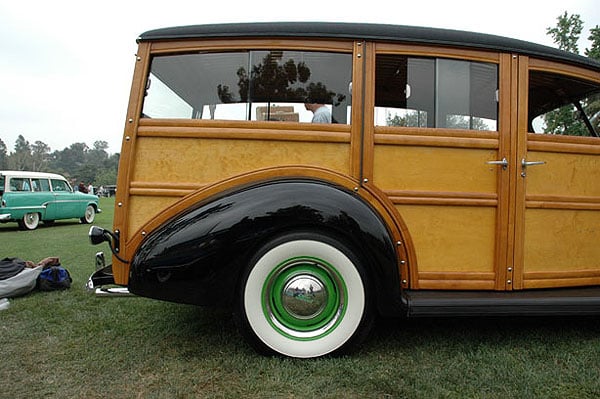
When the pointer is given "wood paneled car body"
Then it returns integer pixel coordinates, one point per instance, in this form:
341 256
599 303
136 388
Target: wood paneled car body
311 175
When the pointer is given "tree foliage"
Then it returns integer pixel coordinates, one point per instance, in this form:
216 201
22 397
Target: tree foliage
594 38
77 162
566 32
567 119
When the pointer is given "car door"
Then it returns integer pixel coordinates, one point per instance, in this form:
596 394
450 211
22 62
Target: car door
42 196
557 177
65 205
440 154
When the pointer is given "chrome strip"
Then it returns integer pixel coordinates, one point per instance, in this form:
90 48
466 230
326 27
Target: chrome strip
113 292
26 207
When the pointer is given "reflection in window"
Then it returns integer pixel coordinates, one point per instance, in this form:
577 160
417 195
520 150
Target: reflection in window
430 92
563 105
251 85
60 185
19 184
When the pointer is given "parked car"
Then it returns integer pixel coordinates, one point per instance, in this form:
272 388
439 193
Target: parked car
311 176
30 197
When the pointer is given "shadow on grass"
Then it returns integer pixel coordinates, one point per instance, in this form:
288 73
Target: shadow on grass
13 227
201 332
484 330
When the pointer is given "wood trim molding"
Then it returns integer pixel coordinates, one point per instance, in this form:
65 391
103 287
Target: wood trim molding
245 131
309 44
561 202
457 281
406 197
561 279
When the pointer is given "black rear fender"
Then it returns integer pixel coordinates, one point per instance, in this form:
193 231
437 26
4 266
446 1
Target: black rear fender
198 256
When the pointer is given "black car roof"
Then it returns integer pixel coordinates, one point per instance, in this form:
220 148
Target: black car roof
378 32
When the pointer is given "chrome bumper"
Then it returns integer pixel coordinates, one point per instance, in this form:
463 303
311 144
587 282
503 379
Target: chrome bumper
4 217
102 277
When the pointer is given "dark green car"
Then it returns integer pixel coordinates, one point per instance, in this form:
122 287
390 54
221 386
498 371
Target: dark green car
30 197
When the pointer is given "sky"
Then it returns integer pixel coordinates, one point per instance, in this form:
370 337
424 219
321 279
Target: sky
66 66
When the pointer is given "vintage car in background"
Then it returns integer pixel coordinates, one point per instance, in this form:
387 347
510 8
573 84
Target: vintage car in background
30 197
313 175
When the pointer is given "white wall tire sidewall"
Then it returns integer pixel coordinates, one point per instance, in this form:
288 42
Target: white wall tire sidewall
323 345
31 221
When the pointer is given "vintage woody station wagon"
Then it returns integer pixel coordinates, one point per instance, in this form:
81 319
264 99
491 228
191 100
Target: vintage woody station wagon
312 175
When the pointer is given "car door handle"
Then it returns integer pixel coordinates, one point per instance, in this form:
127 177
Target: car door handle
525 164
503 163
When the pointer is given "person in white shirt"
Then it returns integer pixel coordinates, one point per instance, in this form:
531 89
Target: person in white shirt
321 113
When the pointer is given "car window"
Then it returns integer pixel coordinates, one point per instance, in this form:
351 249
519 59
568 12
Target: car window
563 105
40 185
259 85
20 184
60 186
435 93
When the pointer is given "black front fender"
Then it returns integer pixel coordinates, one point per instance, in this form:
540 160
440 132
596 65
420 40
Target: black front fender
197 256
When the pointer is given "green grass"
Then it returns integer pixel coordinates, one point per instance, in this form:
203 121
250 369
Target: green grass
72 344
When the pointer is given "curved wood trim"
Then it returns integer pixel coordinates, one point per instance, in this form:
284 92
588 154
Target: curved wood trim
407 256
563 69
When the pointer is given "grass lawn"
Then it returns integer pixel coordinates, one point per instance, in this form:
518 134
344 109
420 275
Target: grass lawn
72 344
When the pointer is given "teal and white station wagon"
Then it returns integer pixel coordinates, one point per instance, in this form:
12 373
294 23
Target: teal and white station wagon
30 197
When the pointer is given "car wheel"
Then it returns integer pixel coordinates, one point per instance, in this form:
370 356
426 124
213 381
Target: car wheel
89 215
30 221
304 296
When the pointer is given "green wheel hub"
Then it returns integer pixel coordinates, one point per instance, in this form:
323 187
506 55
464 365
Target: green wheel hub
304 298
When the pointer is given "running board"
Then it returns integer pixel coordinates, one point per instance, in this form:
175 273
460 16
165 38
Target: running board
113 292
570 301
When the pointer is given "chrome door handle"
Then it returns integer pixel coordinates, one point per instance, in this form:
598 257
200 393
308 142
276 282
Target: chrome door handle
503 163
525 164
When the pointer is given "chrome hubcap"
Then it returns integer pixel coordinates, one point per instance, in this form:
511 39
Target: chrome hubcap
304 298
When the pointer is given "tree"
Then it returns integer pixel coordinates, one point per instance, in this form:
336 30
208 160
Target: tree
566 32
21 159
40 152
408 118
594 51
77 161
3 156
566 119
69 160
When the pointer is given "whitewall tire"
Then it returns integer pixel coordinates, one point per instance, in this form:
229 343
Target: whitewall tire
304 297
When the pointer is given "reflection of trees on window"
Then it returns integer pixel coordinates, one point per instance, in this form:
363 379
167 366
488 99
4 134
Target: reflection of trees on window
430 92
242 85
276 80
563 105
271 80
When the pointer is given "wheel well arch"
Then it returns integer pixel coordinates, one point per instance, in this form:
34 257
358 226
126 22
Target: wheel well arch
237 221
